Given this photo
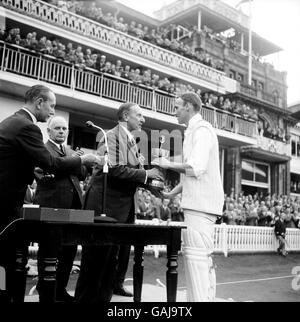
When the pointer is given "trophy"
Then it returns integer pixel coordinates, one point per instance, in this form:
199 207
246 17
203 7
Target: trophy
157 153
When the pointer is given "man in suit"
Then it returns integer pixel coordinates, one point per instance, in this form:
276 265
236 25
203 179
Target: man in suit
60 191
165 211
22 149
98 263
280 230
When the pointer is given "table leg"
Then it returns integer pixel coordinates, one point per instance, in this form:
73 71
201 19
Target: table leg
20 274
138 271
47 260
172 274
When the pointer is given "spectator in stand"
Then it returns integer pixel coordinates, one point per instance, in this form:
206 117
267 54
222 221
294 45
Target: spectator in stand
119 68
251 216
102 63
177 213
126 72
165 211
230 215
146 209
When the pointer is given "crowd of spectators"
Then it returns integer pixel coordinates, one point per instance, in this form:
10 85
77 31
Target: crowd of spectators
275 133
255 210
94 60
151 207
157 36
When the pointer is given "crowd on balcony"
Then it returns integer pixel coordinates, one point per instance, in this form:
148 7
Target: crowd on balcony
156 36
94 60
275 133
255 210
229 41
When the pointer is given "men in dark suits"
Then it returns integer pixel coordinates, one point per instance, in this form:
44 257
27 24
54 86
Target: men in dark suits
60 191
98 263
22 149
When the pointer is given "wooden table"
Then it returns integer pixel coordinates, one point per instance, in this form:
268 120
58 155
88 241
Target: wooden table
53 234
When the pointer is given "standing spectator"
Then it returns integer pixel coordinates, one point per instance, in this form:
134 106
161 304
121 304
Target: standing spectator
280 230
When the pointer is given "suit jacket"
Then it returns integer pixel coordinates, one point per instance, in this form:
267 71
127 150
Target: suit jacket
280 228
165 214
123 178
22 149
63 189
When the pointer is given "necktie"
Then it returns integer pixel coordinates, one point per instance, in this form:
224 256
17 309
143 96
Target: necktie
62 148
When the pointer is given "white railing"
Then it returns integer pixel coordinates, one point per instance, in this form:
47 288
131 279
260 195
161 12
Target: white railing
114 38
231 239
16 59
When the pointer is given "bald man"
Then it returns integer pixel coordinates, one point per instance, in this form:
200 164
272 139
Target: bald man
60 191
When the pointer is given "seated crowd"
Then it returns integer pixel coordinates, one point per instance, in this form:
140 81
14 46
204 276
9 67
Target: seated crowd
93 60
150 207
260 211
158 36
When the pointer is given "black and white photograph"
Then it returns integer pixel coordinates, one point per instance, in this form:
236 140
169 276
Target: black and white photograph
149 154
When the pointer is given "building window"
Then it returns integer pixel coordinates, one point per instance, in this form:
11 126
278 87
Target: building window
240 78
260 86
297 149
232 74
295 183
253 83
255 176
293 146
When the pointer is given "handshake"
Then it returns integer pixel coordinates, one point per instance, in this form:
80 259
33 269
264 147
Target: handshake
89 159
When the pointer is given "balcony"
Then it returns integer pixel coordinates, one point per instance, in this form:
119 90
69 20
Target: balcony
261 95
18 60
114 40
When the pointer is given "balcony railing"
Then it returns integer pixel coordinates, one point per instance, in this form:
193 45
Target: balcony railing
16 59
262 95
116 39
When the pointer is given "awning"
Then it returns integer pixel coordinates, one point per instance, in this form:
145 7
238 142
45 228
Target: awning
263 155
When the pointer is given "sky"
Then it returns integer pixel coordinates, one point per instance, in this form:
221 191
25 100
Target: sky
276 20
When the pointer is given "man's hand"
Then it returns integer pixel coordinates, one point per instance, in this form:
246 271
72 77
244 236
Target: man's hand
40 174
89 159
161 162
78 152
155 174
168 195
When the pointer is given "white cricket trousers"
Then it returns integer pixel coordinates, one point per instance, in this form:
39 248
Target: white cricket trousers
198 246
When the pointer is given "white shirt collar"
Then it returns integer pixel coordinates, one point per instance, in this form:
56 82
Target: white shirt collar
34 120
130 136
58 145
197 117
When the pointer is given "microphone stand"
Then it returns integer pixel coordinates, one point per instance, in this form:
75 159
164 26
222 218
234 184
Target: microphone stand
105 173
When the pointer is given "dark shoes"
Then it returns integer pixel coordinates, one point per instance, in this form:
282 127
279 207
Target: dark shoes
65 297
122 292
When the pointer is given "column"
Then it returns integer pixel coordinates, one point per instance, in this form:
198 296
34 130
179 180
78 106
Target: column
242 42
233 170
199 20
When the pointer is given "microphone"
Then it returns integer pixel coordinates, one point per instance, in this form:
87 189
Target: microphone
91 124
